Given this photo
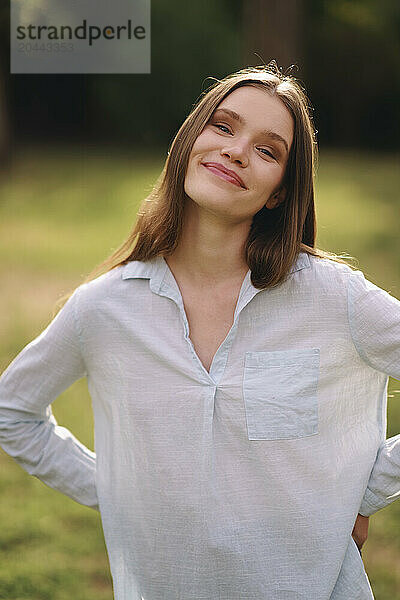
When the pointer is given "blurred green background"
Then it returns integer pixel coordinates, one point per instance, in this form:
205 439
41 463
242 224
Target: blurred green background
79 153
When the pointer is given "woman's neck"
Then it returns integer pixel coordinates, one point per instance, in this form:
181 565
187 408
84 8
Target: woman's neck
210 249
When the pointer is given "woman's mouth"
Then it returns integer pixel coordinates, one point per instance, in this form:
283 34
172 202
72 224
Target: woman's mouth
221 172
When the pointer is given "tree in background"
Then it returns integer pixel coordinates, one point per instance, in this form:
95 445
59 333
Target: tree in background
347 52
5 125
274 30
353 71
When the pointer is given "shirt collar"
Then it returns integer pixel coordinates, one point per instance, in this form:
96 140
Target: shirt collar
155 269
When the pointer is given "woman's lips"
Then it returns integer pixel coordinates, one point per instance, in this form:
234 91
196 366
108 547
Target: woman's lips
223 175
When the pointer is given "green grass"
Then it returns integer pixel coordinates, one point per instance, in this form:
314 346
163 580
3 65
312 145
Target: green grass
62 213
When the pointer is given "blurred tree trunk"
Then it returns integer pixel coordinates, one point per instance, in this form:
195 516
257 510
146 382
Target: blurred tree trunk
5 125
272 29
4 122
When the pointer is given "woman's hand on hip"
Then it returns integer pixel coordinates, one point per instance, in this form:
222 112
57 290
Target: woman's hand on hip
360 530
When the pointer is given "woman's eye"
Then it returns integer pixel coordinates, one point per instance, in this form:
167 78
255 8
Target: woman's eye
267 152
222 127
225 129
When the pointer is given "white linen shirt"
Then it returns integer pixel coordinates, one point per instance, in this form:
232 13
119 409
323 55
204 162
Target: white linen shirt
239 483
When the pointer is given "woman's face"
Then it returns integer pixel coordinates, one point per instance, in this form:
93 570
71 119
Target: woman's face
249 134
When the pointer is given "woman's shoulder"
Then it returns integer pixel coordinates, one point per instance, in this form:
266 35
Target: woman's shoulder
103 287
112 285
328 264
330 273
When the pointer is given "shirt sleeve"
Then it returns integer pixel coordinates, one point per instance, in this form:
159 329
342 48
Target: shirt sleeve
29 433
374 318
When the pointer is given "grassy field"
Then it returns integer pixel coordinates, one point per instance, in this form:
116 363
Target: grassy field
62 213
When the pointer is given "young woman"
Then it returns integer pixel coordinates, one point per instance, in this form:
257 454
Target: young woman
238 374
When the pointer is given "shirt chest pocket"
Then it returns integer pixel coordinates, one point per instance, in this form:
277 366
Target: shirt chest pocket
280 393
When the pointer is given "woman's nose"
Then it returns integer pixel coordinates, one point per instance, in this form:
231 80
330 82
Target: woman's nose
235 153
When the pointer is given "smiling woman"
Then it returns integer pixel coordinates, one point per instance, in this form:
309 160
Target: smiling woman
238 374
240 138
256 109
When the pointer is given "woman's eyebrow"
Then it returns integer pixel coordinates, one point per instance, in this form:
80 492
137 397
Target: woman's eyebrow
269 133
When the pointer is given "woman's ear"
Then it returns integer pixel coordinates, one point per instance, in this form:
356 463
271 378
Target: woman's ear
275 199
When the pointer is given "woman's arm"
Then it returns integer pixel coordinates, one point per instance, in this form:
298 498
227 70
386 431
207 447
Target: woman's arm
374 317
28 431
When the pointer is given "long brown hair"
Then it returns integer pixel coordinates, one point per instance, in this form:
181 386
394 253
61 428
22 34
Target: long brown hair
276 235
